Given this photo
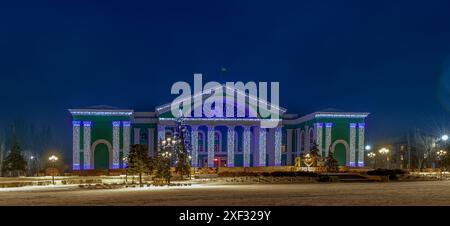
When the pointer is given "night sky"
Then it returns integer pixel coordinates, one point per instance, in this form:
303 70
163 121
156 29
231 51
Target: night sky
390 58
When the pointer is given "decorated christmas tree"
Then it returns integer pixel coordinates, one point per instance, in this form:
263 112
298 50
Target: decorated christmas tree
182 149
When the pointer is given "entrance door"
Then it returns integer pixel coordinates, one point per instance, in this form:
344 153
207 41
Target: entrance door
101 157
340 153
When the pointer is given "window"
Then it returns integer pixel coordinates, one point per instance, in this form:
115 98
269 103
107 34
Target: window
237 144
217 141
201 142
311 136
144 137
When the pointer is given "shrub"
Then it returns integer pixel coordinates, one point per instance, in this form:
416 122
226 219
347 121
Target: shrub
324 178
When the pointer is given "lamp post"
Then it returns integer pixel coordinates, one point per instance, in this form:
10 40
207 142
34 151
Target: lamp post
167 156
371 156
168 145
385 151
441 155
125 163
190 160
32 165
53 160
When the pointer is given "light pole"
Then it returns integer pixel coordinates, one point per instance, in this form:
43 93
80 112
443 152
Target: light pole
385 151
53 160
371 156
167 156
190 160
441 155
125 163
32 165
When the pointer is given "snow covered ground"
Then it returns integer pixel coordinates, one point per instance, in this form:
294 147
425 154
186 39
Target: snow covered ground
394 193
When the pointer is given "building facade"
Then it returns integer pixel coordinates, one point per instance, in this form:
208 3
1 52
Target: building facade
102 137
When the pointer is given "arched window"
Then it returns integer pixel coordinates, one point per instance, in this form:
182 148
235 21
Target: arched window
144 137
217 141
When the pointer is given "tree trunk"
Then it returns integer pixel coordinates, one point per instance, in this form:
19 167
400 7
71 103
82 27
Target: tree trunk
421 165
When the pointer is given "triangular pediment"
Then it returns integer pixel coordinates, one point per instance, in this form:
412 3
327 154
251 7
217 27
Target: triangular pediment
251 107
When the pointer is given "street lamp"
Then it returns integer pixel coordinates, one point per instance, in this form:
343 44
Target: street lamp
444 137
368 147
441 154
372 155
125 163
167 156
53 160
385 151
32 165
190 161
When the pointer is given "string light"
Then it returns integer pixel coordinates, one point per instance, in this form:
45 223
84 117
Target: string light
76 145
101 112
230 146
116 129
361 144
246 146
126 140
352 145
278 136
87 144
262 147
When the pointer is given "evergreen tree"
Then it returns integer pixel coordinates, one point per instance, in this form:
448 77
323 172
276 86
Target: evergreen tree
161 163
315 153
331 162
182 147
14 162
138 160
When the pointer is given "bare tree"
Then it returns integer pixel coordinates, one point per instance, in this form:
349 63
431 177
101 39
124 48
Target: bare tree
2 148
424 147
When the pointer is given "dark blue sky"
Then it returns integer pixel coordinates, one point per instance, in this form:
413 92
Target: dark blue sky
390 58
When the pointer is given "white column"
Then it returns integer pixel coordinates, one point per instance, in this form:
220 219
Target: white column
230 146
255 145
246 147
210 146
126 140
271 146
351 157
319 131
87 145
262 146
278 137
361 144
328 127
137 136
289 147
194 145
151 141
161 133
307 144
76 145
116 147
